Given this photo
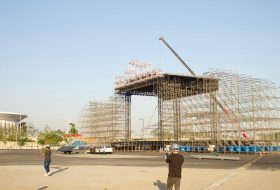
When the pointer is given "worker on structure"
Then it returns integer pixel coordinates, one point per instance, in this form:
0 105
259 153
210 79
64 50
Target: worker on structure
175 161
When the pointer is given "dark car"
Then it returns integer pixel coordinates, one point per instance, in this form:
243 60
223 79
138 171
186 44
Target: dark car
66 149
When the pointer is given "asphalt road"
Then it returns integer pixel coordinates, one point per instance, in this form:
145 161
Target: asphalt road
145 159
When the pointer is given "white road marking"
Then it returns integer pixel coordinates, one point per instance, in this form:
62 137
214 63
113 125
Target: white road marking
218 183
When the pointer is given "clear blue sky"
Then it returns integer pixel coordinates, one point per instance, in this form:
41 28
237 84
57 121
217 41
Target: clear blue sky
55 56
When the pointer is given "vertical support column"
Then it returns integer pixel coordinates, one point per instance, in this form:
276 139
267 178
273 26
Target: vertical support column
128 117
160 127
158 89
169 113
177 120
253 108
214 119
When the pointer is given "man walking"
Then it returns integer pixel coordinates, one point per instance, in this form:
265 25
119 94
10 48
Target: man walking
175 161
46 152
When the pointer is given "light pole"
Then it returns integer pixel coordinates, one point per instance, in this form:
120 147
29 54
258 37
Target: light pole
143 121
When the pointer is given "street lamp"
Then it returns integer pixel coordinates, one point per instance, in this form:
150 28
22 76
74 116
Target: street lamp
143 121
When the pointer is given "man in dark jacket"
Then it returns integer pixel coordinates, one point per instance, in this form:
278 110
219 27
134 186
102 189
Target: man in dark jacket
175 161
46 152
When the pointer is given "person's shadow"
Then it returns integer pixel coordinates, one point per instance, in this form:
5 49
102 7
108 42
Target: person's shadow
58 170
160 185
42 188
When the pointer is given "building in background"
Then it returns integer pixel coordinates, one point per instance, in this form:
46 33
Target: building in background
11 126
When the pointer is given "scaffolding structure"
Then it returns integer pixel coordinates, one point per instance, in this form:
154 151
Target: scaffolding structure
104 121
177 119
220 107
241 110
252 114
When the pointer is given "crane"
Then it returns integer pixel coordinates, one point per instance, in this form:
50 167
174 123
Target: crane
233 120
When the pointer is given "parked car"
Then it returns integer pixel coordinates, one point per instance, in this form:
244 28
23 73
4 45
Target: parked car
66 149
76 146
105 149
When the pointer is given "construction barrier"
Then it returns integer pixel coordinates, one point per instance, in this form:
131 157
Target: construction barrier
232 149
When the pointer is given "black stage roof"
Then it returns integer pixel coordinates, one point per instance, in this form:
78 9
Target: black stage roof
146 86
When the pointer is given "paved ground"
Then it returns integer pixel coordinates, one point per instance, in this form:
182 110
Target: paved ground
23 169
149 159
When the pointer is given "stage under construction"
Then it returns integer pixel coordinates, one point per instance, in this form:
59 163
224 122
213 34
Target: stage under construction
221 108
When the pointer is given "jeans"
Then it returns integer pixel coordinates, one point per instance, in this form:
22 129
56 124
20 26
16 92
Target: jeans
47 165
173 181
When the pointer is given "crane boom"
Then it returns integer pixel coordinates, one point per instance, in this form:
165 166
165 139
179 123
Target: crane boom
181 60
235 119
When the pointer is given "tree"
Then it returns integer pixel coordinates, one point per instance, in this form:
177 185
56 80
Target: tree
47 129
41 138
32 132
22 140
72 129
2 135
54 137
50 137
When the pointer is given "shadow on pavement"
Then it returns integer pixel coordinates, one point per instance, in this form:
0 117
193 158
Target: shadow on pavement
58 170
42 188
160 185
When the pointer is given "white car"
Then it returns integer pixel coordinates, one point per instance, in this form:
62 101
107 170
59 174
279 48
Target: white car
105 149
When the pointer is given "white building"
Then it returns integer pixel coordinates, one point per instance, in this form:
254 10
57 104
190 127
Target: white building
11 125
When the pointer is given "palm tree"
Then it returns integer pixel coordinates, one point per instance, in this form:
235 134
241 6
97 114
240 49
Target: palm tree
73 129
